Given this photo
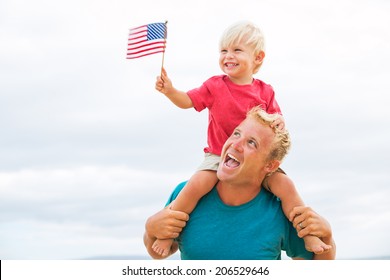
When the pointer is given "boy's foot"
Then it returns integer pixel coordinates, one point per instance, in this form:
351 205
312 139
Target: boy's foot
315 245
162 246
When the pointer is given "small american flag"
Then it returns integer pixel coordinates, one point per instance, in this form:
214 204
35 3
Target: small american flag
146 39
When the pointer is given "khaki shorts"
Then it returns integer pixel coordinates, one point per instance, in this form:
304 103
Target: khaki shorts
210 162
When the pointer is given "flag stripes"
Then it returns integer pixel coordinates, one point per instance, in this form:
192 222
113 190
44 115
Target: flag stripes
146 39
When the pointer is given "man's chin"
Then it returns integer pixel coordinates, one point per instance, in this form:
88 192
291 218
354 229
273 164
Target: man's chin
225 172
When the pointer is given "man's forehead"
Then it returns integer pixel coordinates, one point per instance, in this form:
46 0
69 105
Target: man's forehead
255 128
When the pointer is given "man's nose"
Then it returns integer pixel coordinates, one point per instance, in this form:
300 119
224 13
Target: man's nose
237 145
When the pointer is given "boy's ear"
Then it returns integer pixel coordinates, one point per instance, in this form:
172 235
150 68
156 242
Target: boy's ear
259 57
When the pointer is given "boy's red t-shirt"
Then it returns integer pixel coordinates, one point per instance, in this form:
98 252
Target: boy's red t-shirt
228 104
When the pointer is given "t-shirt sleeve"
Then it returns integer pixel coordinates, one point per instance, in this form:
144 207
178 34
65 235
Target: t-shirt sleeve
201 97
294 245
176 192
272 105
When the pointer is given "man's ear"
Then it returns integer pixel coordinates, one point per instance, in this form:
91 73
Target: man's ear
272 165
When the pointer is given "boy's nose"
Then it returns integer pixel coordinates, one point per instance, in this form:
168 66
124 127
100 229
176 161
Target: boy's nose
229 55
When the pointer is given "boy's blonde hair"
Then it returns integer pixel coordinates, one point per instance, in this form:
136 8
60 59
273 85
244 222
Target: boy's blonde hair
246 32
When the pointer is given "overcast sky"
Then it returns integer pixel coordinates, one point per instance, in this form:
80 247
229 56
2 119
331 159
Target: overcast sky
89 150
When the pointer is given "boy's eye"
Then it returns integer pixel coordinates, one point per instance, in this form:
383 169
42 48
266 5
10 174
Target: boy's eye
223 51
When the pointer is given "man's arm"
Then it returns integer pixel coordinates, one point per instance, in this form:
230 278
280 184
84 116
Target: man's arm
307 222
164 224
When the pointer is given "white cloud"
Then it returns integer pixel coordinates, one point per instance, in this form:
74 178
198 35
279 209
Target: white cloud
90 211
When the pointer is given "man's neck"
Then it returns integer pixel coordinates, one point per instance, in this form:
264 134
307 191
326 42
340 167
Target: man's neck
235 195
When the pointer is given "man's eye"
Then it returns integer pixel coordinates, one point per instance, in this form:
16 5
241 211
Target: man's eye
252 143
236 133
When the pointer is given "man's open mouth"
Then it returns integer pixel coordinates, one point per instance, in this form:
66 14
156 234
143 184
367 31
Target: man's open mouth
231 161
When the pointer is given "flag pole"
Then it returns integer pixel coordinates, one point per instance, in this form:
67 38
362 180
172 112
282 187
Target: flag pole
165 41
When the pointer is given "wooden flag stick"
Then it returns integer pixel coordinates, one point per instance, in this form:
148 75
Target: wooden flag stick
165 41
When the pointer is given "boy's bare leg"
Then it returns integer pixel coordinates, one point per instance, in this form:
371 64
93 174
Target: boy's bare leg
200 184
282 186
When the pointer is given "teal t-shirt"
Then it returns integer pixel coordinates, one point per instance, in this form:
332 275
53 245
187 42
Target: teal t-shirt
256 230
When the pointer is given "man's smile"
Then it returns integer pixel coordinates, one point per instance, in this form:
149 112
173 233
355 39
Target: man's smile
231 161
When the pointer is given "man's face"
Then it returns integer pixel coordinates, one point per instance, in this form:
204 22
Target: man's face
243 158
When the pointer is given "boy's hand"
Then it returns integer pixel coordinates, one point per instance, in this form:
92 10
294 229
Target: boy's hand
279 123
177 97
163 83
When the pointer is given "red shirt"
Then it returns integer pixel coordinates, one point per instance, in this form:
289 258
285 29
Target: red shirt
228 104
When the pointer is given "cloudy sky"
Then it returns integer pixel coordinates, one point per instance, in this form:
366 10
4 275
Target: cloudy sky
89 150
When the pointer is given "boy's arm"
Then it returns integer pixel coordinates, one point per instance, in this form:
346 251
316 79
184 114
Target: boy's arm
178 97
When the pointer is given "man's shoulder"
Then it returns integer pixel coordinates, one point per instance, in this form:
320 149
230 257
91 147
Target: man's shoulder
176 191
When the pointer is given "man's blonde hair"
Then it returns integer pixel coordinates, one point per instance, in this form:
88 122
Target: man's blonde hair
281 143
247 33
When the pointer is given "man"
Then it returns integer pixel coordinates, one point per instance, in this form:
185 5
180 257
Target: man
238 219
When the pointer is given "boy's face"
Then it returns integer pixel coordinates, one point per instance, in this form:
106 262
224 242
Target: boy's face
238 61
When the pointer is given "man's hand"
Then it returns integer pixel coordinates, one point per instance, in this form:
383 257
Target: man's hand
166 223
308 222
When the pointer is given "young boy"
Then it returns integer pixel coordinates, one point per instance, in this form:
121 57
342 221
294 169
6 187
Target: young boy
228 97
